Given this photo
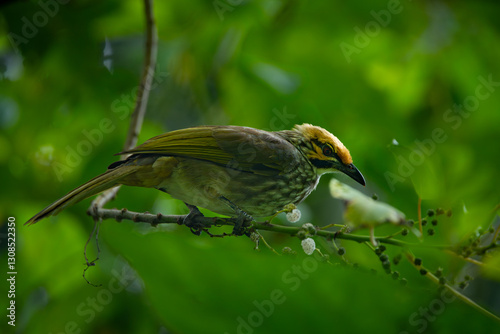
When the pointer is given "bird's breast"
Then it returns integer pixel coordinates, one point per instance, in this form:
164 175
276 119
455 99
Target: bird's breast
202 183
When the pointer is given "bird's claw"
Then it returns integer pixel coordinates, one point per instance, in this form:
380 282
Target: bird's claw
192 220
242 223
242 220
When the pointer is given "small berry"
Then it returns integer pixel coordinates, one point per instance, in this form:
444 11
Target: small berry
341 251
439 272
380 249
404 232
375 197
467 278
424 222
449 213
430 231
309 228
386 264
439 211
430 212
395 275
434 222
383 257
418 261
410 222
442 280
423 272
404 281
463 285
301 234
491 229
396 259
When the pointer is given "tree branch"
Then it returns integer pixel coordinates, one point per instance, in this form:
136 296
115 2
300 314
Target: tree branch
141 102
146 80
207 222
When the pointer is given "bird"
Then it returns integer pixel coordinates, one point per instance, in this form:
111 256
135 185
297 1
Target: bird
234 171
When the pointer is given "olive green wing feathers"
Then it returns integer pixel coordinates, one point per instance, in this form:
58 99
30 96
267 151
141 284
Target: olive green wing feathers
195 143
240 148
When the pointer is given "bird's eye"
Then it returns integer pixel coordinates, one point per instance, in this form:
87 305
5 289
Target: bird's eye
327 151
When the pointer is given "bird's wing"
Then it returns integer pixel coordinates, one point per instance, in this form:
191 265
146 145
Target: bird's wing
240 148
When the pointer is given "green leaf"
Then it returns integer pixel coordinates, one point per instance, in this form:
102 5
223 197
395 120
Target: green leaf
362 210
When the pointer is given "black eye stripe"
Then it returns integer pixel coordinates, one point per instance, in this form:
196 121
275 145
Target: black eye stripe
334 155
321 163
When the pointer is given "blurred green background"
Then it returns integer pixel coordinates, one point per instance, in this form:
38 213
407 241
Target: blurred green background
425 73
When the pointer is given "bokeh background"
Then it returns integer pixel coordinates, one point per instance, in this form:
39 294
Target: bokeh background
420 72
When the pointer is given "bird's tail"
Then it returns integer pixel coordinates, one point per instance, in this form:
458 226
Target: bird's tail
107 180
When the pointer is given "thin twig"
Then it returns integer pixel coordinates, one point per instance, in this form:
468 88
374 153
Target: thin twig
104 198
495 237
468 259
142 97
261 237
146 80
95 231
419 209
333 225
432 277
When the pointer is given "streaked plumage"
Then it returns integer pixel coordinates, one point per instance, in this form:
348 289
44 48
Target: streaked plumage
219 167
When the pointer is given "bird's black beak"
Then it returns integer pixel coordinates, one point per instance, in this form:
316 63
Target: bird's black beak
351 171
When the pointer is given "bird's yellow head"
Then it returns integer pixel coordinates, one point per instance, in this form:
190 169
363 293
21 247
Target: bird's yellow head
326 152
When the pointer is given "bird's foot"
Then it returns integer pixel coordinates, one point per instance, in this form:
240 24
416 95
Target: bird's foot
192 220
243 219
242 223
